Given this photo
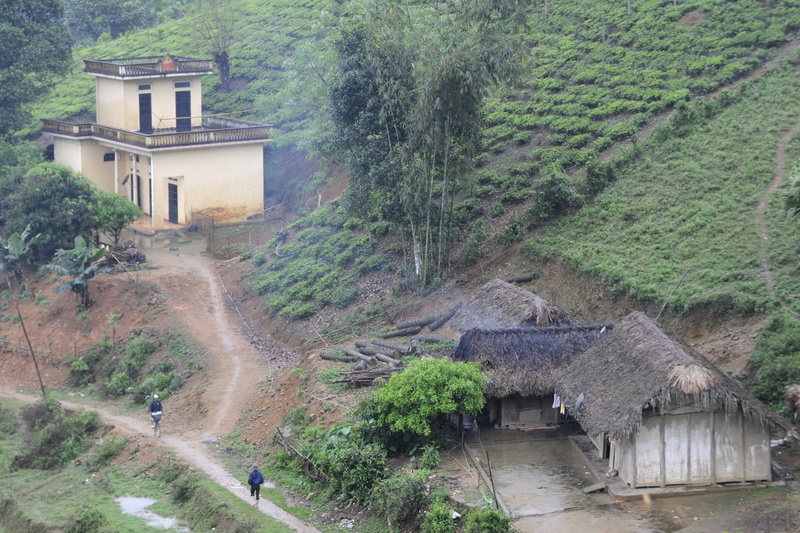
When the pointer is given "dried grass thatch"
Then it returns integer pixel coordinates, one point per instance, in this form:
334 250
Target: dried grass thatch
523 360
638 366
499 304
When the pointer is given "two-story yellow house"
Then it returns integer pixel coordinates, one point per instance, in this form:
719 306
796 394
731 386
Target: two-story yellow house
151 143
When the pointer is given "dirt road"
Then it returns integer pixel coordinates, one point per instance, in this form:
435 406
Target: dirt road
194 293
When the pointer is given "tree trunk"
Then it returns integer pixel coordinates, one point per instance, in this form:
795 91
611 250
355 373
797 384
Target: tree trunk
223 62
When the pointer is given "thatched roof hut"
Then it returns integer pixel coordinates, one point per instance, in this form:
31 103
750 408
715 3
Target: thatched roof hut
499 304
523 360
639 367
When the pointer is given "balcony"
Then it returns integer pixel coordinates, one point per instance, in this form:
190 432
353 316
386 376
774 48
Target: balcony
147 66
215 130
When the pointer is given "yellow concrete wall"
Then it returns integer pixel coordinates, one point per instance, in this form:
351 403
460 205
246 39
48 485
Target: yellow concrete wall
118 101
226 182
111 103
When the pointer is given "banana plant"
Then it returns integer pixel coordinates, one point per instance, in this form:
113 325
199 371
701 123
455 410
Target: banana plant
15 254
78 262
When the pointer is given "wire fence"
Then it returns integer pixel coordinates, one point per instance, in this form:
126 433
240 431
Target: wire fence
224 241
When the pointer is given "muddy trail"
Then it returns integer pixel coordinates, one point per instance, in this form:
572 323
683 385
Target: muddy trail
198 298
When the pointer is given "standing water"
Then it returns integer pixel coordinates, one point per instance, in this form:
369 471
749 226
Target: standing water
138 507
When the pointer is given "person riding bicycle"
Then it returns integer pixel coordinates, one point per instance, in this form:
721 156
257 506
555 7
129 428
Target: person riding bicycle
155 410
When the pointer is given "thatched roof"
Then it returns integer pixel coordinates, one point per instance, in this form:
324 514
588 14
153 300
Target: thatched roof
499 304
523 360
638 366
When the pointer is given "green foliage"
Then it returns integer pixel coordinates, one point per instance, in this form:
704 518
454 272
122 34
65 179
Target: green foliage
400 497
53 200
425 390
113 212
55 437
554 194
8 422
297 417
105 453
35 49
791 193
430 458
776 360
78 262
438 519
487 521
87 520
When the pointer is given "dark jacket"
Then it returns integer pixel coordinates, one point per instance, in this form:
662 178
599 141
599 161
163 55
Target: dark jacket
155 406
255 478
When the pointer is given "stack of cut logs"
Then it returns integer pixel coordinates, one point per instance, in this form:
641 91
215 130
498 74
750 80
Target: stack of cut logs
126 253
379 350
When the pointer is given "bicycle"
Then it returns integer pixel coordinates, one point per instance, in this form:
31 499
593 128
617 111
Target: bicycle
156 418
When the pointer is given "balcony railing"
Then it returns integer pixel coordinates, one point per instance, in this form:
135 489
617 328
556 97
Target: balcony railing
214 130
147 66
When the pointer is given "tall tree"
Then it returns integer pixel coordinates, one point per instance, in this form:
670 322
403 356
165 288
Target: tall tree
92 18
53 200
215 24
421 73
35 52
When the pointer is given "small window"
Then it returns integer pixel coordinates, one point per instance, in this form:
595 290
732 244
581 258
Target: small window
109 156
144 87
181 84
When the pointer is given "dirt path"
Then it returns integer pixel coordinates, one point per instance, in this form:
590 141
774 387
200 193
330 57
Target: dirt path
193 293
761 208
194 452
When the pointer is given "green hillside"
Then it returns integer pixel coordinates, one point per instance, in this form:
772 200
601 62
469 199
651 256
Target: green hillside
613 149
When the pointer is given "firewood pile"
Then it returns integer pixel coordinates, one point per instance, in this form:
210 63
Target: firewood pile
125 253
380 358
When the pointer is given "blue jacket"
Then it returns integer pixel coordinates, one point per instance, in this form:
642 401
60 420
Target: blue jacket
255 478
155 406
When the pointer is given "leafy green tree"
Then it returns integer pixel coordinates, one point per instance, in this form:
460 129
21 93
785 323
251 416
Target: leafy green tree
15 254
78 262
92 18
53 200
35 52
427 389
408 95
113 212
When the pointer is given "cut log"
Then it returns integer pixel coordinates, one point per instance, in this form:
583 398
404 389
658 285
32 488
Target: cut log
359 355
433 340
402 348
386 359
421 322
371 349
341 358
400 332
365 378
417 346
439 322
522 278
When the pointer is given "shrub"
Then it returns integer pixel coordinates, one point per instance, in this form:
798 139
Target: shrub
88 520
399 498
554 193
259 259
776 358
487 521
412 399
55 437
8 422
430 458
438 519
105 453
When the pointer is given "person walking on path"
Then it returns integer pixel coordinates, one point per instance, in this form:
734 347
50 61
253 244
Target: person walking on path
255 479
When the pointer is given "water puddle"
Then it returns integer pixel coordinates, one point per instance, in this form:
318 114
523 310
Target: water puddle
138 507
